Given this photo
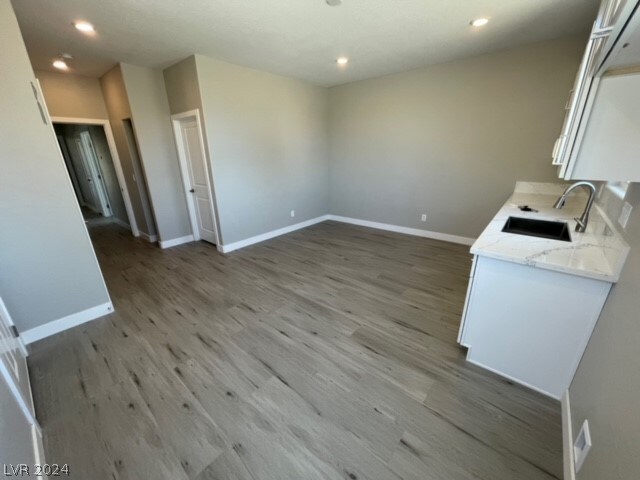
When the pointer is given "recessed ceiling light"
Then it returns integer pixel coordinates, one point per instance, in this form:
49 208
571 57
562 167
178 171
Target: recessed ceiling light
84 27
60 64
479 22
333 3
342 61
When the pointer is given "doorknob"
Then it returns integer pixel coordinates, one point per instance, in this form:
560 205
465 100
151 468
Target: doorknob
192 190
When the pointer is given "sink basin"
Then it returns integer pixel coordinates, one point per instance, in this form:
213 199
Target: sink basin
538 228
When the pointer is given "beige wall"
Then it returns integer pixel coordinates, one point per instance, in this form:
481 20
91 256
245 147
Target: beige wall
49 270
183 90
117 103
267 138
73 96
449 140
606 387
152 124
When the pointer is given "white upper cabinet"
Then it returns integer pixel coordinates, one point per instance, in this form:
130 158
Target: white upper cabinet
600 136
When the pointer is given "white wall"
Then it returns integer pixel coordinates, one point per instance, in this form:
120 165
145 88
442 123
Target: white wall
267 139
449 140
48 268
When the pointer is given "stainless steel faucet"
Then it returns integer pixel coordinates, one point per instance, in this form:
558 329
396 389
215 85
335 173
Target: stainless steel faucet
581 224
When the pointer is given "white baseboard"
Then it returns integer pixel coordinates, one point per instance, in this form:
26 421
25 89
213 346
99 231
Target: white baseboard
65 323
175 241
230 247
567 439
354 221
406 230
150 238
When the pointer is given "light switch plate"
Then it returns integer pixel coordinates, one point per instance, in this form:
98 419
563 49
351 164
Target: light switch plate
623 219
582 445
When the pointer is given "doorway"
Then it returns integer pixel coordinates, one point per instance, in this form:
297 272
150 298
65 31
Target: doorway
196 177
92 161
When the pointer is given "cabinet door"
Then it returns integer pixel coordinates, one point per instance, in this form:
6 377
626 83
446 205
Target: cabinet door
20 435
13 363
573 111
19 441
530 324
608 149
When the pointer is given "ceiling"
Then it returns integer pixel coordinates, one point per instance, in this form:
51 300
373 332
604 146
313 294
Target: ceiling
298 38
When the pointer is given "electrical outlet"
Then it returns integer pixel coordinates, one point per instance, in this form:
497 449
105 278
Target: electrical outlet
293 213
581 446
423 218
623 219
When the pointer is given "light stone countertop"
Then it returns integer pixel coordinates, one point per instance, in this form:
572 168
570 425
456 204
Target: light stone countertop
599 253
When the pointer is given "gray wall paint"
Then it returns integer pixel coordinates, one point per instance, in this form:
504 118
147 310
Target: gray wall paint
115 97
72 96
449 140
267 139
151 121
183 89
606 387
47 266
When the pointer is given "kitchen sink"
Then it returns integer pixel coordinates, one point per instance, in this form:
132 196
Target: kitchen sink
538 228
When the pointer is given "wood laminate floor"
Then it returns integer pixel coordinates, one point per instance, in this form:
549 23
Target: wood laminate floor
328 353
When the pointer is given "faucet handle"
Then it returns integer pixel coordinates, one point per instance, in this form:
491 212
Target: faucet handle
581 225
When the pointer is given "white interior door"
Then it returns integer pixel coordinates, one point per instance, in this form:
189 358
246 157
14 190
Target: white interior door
197 180
85 145
88 191
20 436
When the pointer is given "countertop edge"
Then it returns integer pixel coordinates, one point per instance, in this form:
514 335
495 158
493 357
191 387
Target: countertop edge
610 275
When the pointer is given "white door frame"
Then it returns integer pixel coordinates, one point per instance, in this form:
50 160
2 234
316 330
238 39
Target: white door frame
116 162
176 119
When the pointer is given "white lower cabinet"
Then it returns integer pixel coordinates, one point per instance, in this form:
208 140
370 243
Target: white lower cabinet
529 324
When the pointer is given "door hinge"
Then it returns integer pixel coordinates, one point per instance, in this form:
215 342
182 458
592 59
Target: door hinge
14 331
